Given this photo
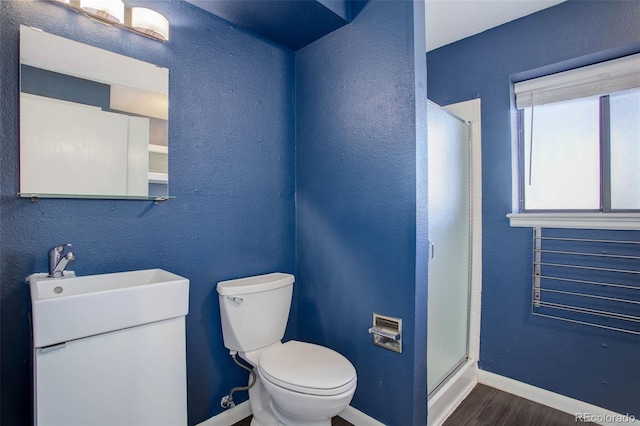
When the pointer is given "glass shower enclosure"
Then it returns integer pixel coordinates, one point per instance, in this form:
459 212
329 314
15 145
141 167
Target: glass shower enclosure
449 166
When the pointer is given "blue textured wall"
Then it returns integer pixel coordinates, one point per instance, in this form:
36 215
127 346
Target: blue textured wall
232 169
342 8
597 366
292 23
361 108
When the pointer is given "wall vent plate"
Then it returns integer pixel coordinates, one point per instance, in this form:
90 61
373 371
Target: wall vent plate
387 332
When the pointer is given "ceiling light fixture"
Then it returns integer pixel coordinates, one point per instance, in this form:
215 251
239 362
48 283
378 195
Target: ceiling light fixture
110 10
139 20
150 22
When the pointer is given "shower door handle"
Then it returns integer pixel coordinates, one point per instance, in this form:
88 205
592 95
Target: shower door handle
432 250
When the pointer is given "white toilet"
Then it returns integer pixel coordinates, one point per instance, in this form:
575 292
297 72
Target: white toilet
297 383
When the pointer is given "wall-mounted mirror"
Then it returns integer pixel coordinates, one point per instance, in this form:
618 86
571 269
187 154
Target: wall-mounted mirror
92 123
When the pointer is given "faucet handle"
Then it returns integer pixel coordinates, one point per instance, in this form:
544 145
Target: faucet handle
58 261
57 250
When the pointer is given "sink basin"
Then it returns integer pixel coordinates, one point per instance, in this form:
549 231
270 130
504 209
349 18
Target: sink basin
72 307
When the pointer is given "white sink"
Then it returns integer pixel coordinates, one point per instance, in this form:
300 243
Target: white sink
73 307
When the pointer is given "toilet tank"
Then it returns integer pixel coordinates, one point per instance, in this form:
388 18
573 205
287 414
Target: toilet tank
254 310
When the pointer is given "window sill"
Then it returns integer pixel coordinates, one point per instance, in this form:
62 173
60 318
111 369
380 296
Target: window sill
618 221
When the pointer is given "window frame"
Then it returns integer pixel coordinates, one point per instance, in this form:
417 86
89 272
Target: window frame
605 217
604 142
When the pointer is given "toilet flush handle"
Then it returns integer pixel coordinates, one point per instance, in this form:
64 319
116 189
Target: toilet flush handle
236 300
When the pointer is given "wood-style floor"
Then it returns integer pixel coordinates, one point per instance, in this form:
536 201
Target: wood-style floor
336 421
487 406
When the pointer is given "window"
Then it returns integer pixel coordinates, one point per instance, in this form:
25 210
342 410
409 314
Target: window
562 165
579 139
625 150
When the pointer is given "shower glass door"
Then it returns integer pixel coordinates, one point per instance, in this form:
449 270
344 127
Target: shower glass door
450 238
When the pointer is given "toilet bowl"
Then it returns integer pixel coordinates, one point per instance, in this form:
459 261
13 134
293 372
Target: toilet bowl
297 383
308 384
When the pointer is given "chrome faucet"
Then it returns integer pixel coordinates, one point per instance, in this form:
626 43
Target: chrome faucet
58 260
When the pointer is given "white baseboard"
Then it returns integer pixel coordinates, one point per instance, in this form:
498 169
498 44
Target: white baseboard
358 418
229 417
550 399
242 411
452 393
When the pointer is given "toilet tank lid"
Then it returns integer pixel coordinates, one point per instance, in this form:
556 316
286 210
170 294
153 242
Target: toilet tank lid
256 284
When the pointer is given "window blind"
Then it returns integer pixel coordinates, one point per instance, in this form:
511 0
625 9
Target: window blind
593 80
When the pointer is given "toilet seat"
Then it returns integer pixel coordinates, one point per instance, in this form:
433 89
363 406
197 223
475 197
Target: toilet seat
307 368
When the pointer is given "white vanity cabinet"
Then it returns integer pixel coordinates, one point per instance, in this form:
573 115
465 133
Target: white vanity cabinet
109 350
135 376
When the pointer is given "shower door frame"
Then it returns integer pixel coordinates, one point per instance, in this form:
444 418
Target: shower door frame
470 112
